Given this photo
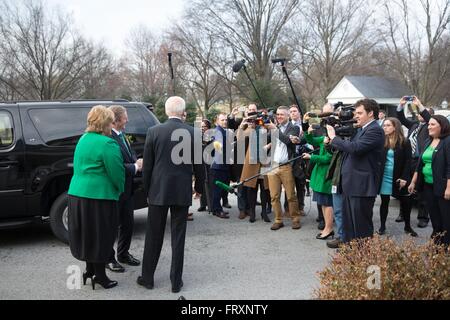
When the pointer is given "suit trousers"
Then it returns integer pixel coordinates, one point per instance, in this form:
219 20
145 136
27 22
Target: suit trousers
357 215
126 224
439 210
283 176
154 238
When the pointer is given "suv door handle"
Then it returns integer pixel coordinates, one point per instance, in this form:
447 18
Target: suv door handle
8 164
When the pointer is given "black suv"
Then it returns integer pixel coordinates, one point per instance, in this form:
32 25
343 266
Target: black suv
37 143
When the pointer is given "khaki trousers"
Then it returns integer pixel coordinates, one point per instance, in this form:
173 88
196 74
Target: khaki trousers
283 176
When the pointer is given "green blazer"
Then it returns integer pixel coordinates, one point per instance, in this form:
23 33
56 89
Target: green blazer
322 162
98 171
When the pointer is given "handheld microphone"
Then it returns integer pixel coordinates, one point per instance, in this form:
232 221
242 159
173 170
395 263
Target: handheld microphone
277 60
224 186
170 56
238 66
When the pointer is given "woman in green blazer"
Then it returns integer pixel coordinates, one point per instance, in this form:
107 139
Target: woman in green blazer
97 182
319 184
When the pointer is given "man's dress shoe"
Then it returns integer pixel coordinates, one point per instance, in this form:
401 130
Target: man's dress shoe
115 267
130 260
140 281
178 288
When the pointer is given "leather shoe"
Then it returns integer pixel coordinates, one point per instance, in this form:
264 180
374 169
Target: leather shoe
130 260
277 226
296 225
242 215
178 288
115 267
334 244
223 215
201 209
140 281
422 224
399 218
226 205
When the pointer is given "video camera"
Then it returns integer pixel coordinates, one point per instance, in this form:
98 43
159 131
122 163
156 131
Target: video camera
342 121
261 118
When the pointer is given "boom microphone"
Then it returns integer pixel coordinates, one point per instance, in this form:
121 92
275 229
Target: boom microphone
279 60
238 66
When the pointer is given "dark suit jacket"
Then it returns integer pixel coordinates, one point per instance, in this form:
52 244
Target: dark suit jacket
440 165
291 130
361 166
402 165
167 183
130 170
423 135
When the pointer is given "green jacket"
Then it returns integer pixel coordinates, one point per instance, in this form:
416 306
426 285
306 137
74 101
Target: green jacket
322 161
98 170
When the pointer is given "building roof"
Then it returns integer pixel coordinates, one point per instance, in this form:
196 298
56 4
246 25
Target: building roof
384 90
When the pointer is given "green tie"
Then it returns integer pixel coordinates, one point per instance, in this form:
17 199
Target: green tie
124 143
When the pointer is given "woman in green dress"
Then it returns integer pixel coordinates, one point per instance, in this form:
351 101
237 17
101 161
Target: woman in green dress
97 182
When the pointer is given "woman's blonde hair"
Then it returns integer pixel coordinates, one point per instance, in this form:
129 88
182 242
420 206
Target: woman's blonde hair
397 138
99 119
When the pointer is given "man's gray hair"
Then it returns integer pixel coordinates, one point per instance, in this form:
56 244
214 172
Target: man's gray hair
119 111
284 108
175 107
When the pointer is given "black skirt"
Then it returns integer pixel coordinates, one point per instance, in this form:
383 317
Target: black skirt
92 228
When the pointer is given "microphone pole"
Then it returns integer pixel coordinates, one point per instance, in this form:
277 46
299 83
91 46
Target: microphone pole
169 56
231 188
254 87
237 67
283 66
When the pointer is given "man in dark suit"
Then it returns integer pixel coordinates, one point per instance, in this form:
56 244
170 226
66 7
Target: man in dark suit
418 137
168 183
126 206
360 173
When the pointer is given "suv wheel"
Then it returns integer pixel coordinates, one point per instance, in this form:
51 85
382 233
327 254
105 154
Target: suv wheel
59 218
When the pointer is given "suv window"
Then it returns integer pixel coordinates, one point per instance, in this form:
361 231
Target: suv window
64 126
6 129
60 126
136 128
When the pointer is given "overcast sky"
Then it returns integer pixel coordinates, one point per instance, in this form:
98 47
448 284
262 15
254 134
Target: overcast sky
110 21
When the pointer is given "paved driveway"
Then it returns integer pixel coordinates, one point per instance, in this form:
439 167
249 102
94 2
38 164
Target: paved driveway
224 259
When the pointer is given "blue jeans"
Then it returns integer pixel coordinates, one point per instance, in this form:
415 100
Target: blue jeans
337 210
242 198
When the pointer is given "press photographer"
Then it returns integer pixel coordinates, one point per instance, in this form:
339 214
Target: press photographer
255 137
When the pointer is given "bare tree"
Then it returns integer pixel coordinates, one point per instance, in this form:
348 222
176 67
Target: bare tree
199 51
252 28
147 60
326 41
46 56
414 38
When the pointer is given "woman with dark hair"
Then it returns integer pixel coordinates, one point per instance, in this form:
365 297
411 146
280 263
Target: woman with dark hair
98 181
395 171
432 178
